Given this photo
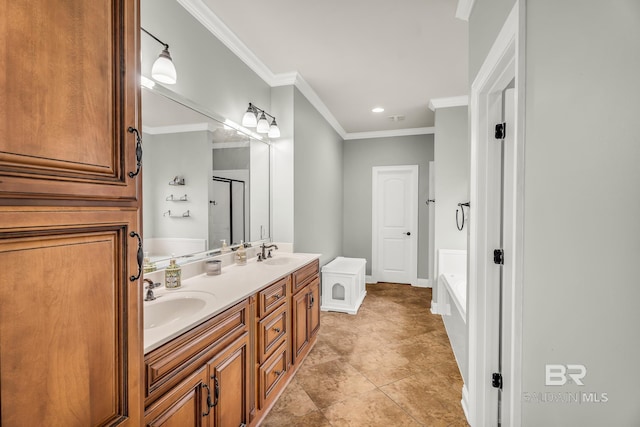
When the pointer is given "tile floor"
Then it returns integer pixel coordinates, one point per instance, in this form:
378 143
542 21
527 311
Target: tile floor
390 365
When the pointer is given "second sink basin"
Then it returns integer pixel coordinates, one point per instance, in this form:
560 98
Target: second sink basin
278 260
172 307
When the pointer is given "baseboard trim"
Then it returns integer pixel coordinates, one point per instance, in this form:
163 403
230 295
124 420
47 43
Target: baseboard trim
434 307
423 283
465 402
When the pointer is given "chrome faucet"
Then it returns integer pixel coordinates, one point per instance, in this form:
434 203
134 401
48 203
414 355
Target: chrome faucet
150 287
264 255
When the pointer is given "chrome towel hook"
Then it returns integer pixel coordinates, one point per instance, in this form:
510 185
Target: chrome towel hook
461 206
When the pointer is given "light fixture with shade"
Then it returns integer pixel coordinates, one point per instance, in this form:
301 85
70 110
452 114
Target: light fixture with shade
274 130
250 119
163 69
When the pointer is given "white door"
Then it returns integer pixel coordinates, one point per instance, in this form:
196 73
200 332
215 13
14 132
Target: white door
395 224
431 202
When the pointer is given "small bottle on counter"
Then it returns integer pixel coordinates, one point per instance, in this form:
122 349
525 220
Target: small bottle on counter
147 264
241 254
224 249
172 275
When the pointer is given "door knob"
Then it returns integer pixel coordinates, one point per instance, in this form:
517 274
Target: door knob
408 233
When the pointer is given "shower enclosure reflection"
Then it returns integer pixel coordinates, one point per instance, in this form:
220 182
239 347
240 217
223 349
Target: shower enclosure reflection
203 180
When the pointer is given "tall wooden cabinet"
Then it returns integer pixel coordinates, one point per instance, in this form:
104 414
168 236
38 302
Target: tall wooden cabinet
70 297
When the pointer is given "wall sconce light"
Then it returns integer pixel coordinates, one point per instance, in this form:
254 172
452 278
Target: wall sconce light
163 69
250 119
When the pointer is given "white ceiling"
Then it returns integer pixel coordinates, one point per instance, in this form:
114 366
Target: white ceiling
359 54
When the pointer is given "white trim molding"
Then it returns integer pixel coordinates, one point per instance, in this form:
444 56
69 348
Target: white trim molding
452 101
504 63
192 127
423 283
389 133
434 307
219 29
463 11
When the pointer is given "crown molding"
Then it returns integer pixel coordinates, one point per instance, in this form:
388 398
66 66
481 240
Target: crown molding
453 101
211 22
463 11
315 100
193 127
389 133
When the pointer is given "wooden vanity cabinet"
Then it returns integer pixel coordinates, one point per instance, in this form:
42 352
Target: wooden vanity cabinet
272 360
305 310
210 364
71 324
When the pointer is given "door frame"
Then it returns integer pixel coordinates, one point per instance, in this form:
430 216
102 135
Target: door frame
505 61
413 263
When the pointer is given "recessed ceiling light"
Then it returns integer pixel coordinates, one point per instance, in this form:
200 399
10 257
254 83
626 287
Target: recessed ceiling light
378 110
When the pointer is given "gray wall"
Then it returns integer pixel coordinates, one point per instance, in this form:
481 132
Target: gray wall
485 22
318 178
452 178
581 233
359 157
582 203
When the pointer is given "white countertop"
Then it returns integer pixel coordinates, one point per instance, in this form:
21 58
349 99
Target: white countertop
234 284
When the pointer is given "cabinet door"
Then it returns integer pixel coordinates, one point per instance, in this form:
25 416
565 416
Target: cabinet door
70 320
69 94
314 308
186 405
229 380
300 315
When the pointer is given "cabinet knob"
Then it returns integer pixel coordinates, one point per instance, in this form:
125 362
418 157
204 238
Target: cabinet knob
277 330
278 373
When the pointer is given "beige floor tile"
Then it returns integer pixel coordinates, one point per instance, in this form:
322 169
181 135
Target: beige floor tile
312 419
389 365
331 382
368 409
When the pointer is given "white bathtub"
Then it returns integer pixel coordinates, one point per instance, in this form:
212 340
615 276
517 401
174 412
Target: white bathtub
452 302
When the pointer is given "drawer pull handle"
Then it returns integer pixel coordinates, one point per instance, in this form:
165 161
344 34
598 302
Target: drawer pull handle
277 330
278 373
277 296
139 256
204 414
138 151
216 390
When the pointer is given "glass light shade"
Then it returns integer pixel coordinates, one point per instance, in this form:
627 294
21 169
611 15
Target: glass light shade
249 119
263 124
163 69
274 130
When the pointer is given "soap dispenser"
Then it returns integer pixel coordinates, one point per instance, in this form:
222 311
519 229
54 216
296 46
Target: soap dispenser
224 249
172 275
147 264
241 254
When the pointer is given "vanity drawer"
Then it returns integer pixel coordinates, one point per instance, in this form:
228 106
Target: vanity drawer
303 275
272 376
272 296
168 365
272 331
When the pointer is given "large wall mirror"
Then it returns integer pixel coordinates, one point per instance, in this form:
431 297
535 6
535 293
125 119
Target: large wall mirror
204 181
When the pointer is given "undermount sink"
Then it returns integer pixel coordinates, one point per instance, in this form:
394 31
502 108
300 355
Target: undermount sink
174 306
278 261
